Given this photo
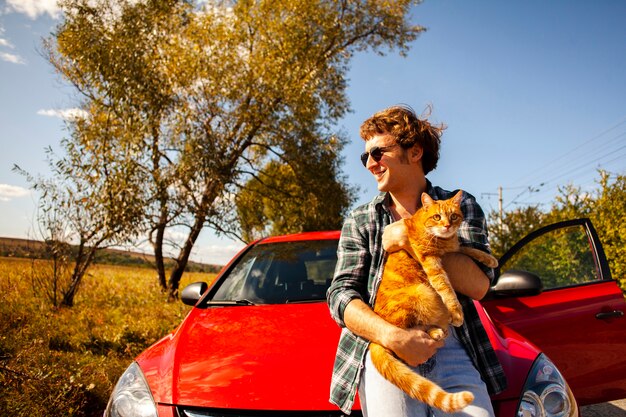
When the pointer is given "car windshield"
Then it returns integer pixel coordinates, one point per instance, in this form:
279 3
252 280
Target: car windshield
278 273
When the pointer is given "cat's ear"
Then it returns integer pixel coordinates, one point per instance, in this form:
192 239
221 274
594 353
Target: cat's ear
427 201
458 197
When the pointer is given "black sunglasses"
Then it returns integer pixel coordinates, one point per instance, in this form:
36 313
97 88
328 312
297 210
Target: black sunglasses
376 153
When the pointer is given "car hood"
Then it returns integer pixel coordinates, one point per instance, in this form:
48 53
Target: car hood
246 357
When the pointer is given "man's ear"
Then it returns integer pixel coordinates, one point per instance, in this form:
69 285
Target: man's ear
416 153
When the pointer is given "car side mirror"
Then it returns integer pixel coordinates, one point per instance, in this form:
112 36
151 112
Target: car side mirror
193 292
516 283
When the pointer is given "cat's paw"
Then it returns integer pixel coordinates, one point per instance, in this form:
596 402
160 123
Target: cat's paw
491 262
437 333
456 317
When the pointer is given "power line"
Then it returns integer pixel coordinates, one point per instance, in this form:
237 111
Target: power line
550 167
554 171
604 151
587 164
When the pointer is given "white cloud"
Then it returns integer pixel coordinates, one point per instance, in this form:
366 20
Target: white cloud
65 114
10 192
12 58
34 8
218 254
6 56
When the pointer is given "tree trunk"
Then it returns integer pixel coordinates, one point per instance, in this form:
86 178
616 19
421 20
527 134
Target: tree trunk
210 194
158 256
84 259
183 257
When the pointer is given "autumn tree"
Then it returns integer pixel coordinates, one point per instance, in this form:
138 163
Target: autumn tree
217 97
290 194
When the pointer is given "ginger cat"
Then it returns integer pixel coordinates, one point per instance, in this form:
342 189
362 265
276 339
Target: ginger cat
416 290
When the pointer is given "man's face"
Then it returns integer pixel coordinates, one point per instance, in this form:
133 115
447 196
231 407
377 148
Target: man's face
397 169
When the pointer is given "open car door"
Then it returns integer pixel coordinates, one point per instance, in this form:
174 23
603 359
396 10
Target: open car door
554 287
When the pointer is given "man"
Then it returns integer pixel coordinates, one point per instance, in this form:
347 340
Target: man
400 150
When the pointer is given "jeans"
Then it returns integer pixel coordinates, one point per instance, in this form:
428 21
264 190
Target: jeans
451 368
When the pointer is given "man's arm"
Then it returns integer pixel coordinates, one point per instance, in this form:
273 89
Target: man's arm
465 276
414 346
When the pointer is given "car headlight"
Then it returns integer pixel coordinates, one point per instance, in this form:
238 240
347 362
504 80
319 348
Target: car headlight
131 396
546 394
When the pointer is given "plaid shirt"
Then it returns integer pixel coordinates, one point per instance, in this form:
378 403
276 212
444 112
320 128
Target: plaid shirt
359 272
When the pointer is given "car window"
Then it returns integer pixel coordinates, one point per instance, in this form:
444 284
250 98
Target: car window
561 257
277 273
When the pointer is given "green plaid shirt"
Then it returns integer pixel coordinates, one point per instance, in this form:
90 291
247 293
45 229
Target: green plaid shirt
358 274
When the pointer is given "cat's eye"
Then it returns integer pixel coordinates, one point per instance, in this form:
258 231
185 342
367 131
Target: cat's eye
454 217
437 217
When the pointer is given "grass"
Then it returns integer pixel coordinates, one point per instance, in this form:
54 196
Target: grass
65 362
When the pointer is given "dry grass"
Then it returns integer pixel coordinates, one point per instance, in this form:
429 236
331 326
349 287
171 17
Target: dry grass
65 362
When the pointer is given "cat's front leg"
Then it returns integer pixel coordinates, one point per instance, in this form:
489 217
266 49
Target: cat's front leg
480 256
438 278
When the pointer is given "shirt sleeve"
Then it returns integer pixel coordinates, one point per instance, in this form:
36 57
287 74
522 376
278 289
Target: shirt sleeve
351 272
473 231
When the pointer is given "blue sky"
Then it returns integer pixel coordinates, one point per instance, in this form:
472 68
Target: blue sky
533 92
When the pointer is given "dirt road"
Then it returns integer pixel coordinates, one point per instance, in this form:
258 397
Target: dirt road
610 409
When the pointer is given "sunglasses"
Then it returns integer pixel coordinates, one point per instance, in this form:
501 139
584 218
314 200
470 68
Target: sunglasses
376 153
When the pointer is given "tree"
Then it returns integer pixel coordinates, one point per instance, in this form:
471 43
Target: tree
514 225
605 206
609 217
287 196
217 94
86 203
52 276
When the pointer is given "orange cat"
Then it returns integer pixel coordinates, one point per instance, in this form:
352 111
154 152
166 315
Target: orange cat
416 290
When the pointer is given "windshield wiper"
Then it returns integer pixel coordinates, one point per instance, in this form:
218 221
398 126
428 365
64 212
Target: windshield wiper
242 302
304 300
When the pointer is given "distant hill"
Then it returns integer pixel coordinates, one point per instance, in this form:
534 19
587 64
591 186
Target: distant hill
34 249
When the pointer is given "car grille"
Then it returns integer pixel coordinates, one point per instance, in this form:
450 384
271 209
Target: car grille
187 412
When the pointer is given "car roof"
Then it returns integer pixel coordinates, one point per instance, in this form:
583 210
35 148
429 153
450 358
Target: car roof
298 237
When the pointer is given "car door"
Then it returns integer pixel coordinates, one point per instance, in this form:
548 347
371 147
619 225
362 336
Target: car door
555 288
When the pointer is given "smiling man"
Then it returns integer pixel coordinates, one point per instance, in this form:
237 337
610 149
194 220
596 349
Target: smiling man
400 149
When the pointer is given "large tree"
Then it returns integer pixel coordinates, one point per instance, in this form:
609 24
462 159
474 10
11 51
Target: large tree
292 194
218 96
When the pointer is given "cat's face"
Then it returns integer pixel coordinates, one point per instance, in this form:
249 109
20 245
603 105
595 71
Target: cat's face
443 223
442 218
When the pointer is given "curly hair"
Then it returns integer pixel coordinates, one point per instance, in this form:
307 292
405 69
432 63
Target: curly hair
408 129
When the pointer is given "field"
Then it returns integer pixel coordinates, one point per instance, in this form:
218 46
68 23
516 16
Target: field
65 362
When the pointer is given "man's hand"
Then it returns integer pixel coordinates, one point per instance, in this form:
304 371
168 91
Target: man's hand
414 346
395 237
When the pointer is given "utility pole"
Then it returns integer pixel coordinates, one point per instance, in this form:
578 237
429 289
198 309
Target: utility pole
500 205
500 209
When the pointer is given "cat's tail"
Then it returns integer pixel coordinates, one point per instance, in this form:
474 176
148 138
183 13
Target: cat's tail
415 385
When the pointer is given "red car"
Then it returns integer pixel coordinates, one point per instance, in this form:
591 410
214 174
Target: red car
260 340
